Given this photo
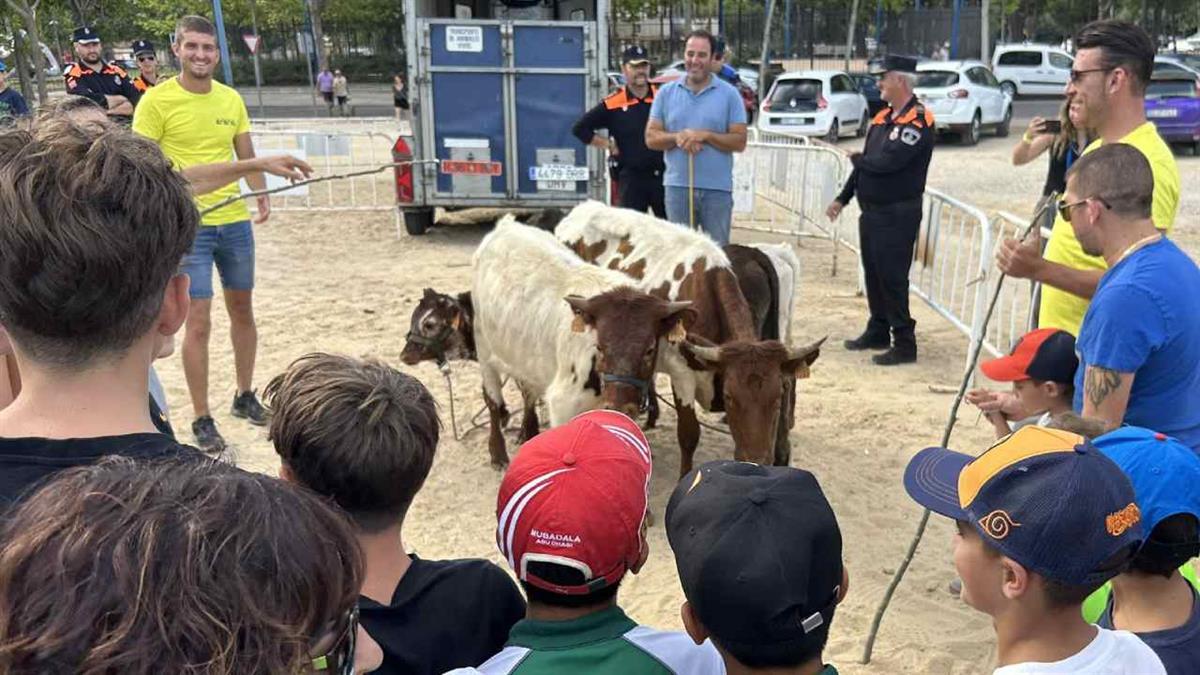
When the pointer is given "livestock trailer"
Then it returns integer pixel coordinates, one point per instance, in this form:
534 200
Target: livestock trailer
495 87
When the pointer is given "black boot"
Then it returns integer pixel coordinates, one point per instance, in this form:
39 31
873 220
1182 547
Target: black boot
870 339
904 348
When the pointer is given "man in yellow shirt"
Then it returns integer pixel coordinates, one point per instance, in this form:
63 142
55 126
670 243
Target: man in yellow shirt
1107 94
197 121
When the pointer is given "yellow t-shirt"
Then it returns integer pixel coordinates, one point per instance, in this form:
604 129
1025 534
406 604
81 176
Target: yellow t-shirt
1064 310
196 129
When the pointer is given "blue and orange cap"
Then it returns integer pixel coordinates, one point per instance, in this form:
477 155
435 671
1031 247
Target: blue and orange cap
1046 498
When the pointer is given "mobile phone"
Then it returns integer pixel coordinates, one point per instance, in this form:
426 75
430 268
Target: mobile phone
1052 127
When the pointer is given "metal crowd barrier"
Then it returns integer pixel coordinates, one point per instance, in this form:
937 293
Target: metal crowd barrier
331 151
1014 315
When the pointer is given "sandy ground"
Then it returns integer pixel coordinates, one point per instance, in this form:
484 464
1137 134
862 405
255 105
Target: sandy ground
347 283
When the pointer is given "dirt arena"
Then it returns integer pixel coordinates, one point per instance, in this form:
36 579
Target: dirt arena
347 283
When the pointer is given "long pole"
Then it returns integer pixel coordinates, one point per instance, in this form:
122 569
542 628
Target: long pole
850 34
985 33
222 42
308 44
976 348
954 29
766 51
257 67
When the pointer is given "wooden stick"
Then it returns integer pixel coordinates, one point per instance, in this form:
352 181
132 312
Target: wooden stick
976 348
691 191
318 179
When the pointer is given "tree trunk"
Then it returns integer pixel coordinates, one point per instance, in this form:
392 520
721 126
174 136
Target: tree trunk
849 37
28 14
766 50
314 10
22 64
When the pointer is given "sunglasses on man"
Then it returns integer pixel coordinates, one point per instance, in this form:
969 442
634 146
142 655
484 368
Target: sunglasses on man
145 57
1064 209
339 660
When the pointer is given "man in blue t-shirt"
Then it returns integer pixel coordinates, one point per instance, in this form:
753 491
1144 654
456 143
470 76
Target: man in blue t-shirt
12 104
698 121
1139 346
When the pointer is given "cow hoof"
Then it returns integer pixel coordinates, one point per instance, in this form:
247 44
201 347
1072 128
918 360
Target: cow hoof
650 518
500 465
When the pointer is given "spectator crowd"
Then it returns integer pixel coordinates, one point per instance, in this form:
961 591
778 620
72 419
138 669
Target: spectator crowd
123 550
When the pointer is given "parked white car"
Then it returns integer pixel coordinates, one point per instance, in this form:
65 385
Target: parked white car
824 103
1177 65
964 97
1032 69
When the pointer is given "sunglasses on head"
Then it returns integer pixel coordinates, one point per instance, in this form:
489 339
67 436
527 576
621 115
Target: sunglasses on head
1064 209
339 660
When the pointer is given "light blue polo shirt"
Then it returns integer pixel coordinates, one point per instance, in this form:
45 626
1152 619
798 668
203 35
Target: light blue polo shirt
714 108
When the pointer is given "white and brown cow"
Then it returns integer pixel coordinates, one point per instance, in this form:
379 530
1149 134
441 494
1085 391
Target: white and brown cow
675 263
578 336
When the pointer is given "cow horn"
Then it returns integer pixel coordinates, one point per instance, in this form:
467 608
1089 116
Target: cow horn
677 305
710 354
801 352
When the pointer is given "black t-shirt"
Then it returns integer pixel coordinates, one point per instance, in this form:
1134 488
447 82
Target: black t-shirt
27 463
444 614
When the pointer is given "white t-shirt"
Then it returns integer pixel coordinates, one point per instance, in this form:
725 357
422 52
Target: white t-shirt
1113 652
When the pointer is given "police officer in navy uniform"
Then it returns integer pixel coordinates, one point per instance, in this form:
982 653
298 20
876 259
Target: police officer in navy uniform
104 83
625 113
147 60
889 180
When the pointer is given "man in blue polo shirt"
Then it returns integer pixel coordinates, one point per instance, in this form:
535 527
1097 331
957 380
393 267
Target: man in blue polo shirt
1139 346
699 121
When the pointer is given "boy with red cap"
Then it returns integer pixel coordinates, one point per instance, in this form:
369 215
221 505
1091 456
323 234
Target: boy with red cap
572 522
1042 369
1044 519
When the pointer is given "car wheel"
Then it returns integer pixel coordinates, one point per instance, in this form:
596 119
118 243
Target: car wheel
1196 149
1002 130
418 221
1009 88
834 132
970 136
862 125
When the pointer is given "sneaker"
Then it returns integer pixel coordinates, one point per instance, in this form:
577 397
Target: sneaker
207 436
246 406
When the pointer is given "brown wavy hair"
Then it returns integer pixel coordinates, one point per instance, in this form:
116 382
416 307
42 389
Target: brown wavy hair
191 567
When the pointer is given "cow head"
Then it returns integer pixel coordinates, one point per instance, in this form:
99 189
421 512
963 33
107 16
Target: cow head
628 324
752 380
440 329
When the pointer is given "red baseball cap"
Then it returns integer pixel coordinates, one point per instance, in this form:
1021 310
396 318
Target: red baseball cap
1046 354
576 496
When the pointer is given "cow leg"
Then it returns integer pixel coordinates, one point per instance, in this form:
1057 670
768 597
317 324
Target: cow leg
687 430
493 397
783 441
529 418
652 406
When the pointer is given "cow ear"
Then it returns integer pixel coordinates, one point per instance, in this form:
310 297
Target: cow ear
800 359
676 323
455 320
583 318
428 293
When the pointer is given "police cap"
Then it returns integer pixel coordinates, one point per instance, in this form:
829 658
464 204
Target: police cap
635 55
142 47
85 35
892 62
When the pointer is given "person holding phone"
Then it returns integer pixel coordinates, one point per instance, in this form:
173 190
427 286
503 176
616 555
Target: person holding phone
1062 138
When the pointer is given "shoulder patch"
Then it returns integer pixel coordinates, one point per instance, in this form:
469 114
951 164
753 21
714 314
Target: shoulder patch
910 136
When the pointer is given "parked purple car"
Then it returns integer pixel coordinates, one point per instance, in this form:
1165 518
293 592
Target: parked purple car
1173 104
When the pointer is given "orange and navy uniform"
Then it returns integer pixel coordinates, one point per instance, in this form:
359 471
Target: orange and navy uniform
141 84
625 116
895 158
110 80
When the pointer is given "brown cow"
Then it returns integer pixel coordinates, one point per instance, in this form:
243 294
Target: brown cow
677 264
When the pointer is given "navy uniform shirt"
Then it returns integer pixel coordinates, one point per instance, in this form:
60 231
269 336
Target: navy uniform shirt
625 116
895 157
110 80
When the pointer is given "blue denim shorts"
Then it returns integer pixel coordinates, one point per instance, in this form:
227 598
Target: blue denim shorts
231 247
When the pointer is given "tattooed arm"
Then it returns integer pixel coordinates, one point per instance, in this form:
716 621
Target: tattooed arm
1106 395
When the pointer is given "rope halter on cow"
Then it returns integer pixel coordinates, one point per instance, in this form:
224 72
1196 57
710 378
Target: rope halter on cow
436 344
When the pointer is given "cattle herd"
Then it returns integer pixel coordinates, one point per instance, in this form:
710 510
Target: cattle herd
583 318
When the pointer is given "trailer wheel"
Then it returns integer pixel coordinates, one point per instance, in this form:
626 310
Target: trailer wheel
418 221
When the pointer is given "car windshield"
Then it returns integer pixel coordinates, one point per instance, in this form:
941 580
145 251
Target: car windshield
1171 89
787 90
1190 60
936 78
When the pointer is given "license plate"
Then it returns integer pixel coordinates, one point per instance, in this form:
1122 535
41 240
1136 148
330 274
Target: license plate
558 173
792 121
1162 112
457 166
559 185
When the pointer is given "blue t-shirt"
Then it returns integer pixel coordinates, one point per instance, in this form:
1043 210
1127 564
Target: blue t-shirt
715 108
12 104
1145 319
1177 648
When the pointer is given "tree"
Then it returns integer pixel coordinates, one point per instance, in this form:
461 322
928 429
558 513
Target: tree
28 14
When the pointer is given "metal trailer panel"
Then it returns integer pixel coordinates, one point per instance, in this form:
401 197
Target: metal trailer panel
470 103
554 46
490 55
546 107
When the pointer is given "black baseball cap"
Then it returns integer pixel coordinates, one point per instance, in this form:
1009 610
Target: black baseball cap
85 35
1046 354
635 54
759 555
890 62
142 47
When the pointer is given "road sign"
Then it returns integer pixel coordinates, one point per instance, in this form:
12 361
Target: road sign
478 168
251 42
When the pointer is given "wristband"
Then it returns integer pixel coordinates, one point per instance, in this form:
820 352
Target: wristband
1026 138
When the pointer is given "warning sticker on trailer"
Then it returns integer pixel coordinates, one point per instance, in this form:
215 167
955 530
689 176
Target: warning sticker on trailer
558 173
464 39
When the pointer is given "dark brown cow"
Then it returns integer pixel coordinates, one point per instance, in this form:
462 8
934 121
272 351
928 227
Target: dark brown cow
677 264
